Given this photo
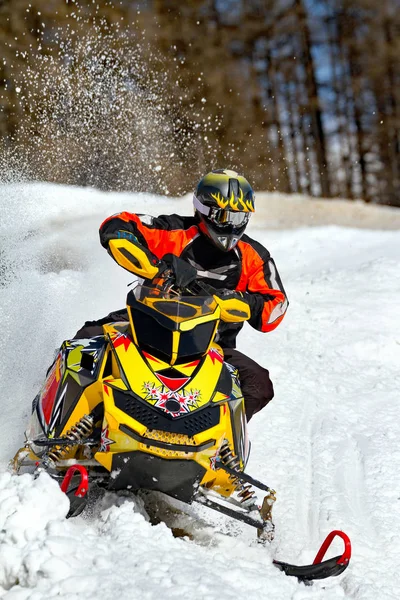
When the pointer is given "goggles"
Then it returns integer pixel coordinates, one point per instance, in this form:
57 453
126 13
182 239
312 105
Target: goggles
222 217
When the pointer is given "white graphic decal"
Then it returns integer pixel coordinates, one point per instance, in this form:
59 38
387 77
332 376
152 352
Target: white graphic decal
105 441
173 403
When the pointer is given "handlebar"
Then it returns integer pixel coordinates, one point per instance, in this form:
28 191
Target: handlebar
166 283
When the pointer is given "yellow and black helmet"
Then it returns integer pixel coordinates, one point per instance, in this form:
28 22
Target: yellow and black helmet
224 202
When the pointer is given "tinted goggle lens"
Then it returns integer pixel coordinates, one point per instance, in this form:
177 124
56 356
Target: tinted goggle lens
229 217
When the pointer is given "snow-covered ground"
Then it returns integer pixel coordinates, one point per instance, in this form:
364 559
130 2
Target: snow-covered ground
328 443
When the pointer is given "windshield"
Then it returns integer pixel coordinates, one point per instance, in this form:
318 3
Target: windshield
180 308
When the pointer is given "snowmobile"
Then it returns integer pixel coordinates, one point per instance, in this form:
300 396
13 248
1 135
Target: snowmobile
152 405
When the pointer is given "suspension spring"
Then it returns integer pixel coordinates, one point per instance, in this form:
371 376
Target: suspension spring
229 459
78 432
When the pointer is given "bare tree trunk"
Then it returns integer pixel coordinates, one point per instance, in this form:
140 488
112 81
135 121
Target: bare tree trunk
339 112
292 133
282 174
348 107
354 75
394 119
304 141
314 100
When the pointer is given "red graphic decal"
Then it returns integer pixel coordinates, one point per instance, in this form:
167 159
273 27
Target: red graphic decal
193 396
49 394
192 364
215 355
121 340
150 357
173 383
105 387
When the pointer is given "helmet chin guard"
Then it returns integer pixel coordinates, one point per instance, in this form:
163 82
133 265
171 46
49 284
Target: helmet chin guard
222 239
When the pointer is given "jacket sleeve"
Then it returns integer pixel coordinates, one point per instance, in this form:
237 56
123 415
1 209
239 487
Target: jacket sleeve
157 236
129 226
262 286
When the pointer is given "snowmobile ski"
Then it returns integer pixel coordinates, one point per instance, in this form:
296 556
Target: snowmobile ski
320 569
230 512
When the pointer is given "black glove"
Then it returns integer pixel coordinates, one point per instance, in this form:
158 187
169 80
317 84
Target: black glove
182 272
226 294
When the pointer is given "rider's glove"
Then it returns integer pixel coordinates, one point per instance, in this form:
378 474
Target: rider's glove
234 306
181 271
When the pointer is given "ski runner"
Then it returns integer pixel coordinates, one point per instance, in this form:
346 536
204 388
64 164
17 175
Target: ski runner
210 247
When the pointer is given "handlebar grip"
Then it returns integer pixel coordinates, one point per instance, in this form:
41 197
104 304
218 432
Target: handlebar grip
132 258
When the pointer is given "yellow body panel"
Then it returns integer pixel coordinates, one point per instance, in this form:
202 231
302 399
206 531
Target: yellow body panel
89 399
138 373
142 380
124 368
156 364
120 442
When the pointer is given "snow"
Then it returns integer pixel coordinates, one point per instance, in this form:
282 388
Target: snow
328 443
285 212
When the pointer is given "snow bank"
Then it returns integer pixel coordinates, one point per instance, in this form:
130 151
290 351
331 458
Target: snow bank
282 211
116 554
328 442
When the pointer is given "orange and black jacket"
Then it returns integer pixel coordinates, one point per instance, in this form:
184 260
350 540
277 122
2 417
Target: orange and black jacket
248 268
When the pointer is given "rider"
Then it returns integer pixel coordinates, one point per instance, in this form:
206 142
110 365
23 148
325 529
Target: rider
209 247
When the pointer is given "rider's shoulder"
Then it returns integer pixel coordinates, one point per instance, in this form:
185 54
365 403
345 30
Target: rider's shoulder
250 245
174 221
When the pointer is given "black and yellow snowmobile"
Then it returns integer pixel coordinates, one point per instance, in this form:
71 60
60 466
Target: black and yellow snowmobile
152 405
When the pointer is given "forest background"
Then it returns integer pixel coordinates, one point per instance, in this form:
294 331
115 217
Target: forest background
299 95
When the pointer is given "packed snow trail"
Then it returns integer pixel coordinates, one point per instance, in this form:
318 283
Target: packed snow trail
328 443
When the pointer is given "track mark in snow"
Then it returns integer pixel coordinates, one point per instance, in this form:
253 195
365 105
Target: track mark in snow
350 479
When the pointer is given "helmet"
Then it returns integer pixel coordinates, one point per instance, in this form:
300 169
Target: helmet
224 201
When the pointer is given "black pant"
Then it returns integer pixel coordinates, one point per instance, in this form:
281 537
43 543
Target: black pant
255 382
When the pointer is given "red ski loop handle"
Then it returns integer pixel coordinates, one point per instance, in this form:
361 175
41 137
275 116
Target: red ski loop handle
83 484
344 558
320 569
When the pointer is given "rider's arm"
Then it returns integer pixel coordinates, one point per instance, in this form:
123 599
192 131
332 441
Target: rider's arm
146 238
128 226
262 286
121 235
